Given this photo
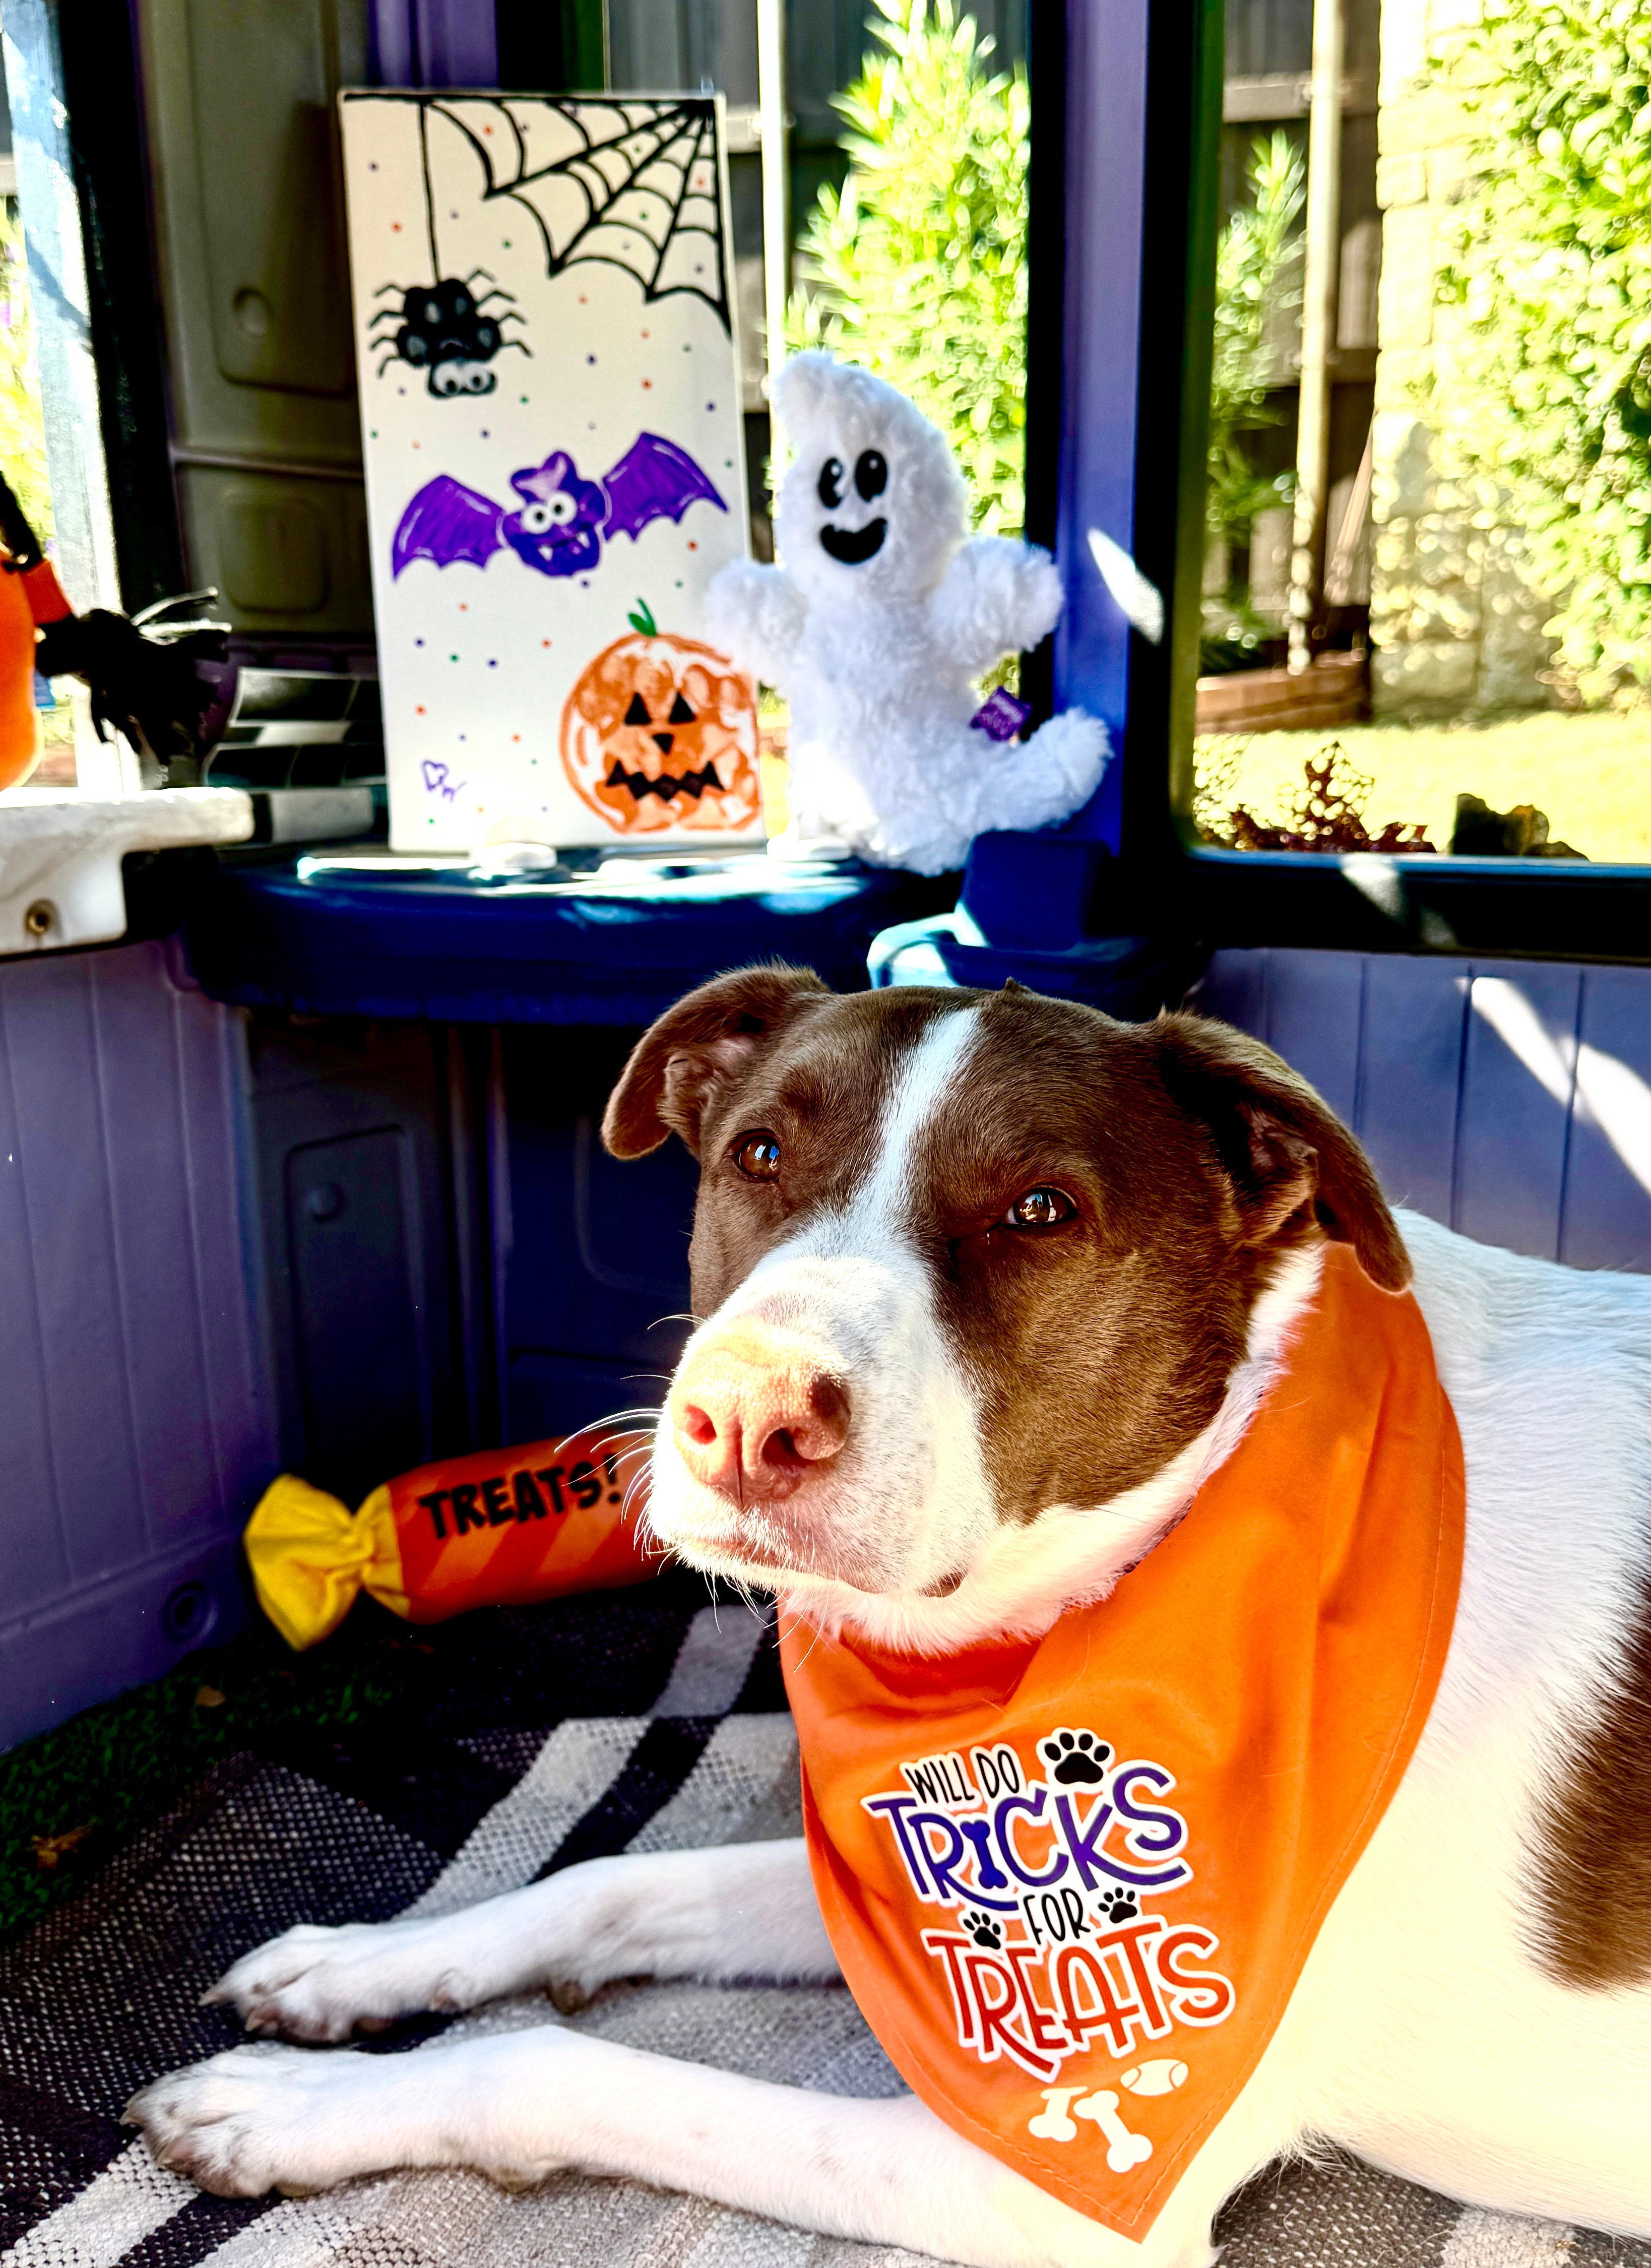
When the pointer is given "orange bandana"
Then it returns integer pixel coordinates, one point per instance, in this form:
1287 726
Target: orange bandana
1072 1880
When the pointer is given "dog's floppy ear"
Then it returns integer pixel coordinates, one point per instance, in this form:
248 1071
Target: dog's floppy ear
678 1063
1280 1145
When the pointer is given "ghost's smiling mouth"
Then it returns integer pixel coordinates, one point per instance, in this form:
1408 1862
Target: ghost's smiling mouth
852 546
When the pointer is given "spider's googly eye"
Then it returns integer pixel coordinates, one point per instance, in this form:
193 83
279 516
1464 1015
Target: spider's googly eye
446 380
830 483
479 380
871 473
757 1156
1044 1207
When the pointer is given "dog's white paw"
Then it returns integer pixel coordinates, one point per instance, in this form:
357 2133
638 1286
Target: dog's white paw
258 2118
322 1985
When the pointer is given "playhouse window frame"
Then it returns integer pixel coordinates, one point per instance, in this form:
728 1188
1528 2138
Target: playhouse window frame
1163 875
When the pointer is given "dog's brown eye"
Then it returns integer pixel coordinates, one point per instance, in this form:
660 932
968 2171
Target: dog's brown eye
1039 1208
757 1157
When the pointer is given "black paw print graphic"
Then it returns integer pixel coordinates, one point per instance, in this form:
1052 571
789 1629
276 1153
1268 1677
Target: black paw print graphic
1120 1905
984 1930
1077 1759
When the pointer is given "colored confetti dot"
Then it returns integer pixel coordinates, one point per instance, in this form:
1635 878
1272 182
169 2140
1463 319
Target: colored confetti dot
484 433
419 711
693 547
711 405
583 302
515 736
418 641
679 582
493 665
647 334
401 389
464 736
647 385
504 241
453 657
372 434
589 358
396 228
373 165
522 399
544 641
452 215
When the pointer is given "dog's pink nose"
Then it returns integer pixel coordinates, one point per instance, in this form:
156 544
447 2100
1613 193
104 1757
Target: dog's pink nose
752 1423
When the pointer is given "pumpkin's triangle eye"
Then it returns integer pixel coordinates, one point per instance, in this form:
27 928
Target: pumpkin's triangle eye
681 713
637 714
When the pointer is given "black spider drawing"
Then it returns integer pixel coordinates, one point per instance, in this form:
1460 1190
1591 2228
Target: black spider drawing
984 1930
446 329
1120 1905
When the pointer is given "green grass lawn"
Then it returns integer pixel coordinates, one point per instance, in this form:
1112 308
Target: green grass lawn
1591 774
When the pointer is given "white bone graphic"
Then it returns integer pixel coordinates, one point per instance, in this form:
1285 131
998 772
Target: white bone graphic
1127 2149
1053 2124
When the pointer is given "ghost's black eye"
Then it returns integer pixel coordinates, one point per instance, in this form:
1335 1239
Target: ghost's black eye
1040 1207
637 714
831 483
871 474
681 713
757 1157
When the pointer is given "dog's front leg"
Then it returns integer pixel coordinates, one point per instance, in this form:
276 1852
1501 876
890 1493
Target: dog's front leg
525 2104
743 1909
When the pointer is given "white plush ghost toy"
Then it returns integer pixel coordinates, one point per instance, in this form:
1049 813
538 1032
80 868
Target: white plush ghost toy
877 625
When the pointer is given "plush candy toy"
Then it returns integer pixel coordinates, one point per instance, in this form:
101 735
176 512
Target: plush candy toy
497 1528
877 625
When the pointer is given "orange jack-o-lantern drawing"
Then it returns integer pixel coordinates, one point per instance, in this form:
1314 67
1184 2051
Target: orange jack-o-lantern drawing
661 732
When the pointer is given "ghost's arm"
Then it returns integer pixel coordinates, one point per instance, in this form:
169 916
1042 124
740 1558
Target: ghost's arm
999 597
755 614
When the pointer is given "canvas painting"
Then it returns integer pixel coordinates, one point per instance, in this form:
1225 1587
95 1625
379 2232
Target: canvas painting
555 465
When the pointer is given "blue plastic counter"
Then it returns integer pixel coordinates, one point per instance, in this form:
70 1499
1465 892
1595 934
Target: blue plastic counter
612 943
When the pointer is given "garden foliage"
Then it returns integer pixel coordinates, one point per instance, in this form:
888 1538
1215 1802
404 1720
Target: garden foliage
1543 397
1255 286
22 435
916 269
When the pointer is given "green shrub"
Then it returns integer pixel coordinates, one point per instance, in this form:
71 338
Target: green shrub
1253 257
918 270
1543 401
22 435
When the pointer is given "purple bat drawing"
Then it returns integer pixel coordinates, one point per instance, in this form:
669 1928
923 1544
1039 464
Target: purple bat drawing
561 523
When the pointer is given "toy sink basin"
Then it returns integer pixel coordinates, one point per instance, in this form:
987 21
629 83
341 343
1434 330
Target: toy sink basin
61 853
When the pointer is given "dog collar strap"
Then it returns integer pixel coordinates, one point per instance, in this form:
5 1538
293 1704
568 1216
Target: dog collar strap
1072 1880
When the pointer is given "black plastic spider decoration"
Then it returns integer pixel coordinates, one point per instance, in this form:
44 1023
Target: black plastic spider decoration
446 331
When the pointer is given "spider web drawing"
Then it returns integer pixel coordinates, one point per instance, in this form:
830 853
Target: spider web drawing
633 185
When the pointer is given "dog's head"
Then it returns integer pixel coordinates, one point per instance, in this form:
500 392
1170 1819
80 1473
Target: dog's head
972 1274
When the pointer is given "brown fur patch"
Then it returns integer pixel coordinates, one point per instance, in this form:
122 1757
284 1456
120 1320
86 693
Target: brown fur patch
1594 1863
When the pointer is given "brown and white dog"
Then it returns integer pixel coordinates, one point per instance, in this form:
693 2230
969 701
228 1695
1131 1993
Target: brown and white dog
987 1284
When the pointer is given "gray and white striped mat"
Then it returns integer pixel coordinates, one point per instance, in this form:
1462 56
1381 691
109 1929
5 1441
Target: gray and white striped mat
643 1721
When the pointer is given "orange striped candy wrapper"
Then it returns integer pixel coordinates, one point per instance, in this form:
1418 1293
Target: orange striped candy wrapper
498 1527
